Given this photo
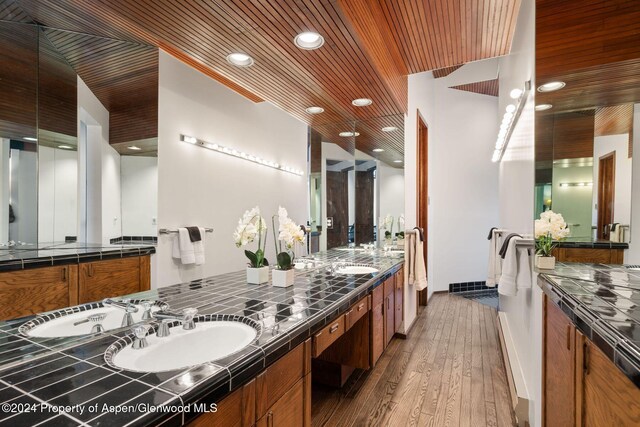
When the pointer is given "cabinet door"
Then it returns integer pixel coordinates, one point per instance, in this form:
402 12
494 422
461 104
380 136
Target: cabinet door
288 411
399 299
376 322
112 278
27 292
609 397
559 368
389 318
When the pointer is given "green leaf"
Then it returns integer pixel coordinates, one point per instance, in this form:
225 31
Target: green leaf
259 258
253 259
284 261
265 262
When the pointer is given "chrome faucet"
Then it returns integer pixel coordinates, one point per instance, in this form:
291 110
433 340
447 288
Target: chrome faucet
96 319
125 305
140 340
185 317
147 309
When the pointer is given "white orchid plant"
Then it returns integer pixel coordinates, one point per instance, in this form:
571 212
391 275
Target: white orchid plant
290 234
550 228
251 226
387 226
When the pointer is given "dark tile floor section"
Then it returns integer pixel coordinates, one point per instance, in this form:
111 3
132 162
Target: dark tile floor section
75 372
487 297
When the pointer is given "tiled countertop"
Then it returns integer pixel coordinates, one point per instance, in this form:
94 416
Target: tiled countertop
50 254
603 301
69 372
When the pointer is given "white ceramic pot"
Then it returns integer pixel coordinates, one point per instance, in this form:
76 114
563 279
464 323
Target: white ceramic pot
545 262
257 276
282 278
400 243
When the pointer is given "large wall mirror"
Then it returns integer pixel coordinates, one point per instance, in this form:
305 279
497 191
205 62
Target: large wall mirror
585 104
356 182
78 132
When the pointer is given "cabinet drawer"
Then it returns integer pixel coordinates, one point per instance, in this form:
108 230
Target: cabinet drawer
328 335
357 311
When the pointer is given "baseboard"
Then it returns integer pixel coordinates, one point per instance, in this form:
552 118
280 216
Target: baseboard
515 379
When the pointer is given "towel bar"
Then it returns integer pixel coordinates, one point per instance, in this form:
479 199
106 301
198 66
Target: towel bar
167 231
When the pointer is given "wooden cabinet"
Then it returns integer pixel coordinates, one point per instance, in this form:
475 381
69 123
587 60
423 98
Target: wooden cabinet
288 411
607 396
599 256
111 278
328 335
399 300
376 320
32 291
236 410
389 310
581 385
559 367
27 292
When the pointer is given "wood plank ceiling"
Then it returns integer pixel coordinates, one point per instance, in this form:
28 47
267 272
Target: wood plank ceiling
371 45
487 87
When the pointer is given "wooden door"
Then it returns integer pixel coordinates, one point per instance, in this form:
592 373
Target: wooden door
288 411
106 279
389 310
364 207
399 296
606 193
27 292
422 172
609 398
559 368
337 209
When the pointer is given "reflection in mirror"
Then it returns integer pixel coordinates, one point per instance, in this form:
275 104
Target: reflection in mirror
18 132
380 180
584 122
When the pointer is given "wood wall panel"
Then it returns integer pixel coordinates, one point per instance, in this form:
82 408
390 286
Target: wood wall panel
364 207
487 87
337 208
573 135
444 72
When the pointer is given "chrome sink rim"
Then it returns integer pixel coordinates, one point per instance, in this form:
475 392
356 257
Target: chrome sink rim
126 341
44 318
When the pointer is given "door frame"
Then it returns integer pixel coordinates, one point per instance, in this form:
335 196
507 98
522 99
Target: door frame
601 223
422 187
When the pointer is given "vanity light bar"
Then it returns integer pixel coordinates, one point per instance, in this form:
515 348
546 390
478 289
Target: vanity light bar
511 115
576 184
239 154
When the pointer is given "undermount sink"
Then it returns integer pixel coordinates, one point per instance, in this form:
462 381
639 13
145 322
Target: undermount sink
356 269
75 321
210 340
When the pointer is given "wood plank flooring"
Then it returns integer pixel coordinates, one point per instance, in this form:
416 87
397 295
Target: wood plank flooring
448 372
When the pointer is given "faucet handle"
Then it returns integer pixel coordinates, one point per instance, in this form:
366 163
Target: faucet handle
140 333
187 318
146 305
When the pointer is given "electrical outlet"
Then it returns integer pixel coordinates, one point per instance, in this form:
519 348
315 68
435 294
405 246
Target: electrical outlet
154 221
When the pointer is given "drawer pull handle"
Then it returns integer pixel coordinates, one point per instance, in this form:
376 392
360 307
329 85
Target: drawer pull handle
270 419
568 337
64 274
360 306
334 328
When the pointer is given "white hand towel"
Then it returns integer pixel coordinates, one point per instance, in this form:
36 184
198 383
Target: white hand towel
516 269
420 271
410 252
198 248
495 262
183 248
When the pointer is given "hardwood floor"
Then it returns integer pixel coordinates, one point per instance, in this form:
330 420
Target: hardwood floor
448 372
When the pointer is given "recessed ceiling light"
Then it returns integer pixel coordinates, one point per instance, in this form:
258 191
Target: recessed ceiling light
314 110
397 161
30 138
134 148
65 147
347 134
389 129
543 107
362 102
551 86
240 59
515 93
378 150
308 40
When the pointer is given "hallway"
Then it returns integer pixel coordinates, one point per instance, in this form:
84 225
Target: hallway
448 372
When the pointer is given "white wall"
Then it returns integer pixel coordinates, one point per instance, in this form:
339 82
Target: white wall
602 146
463 181
632 255
139 195
574 203
207 188
57 194
24 196
111 197
391 187
522 312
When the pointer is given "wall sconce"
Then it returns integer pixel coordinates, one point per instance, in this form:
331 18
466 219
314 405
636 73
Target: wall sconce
239 154
575 184
509 119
